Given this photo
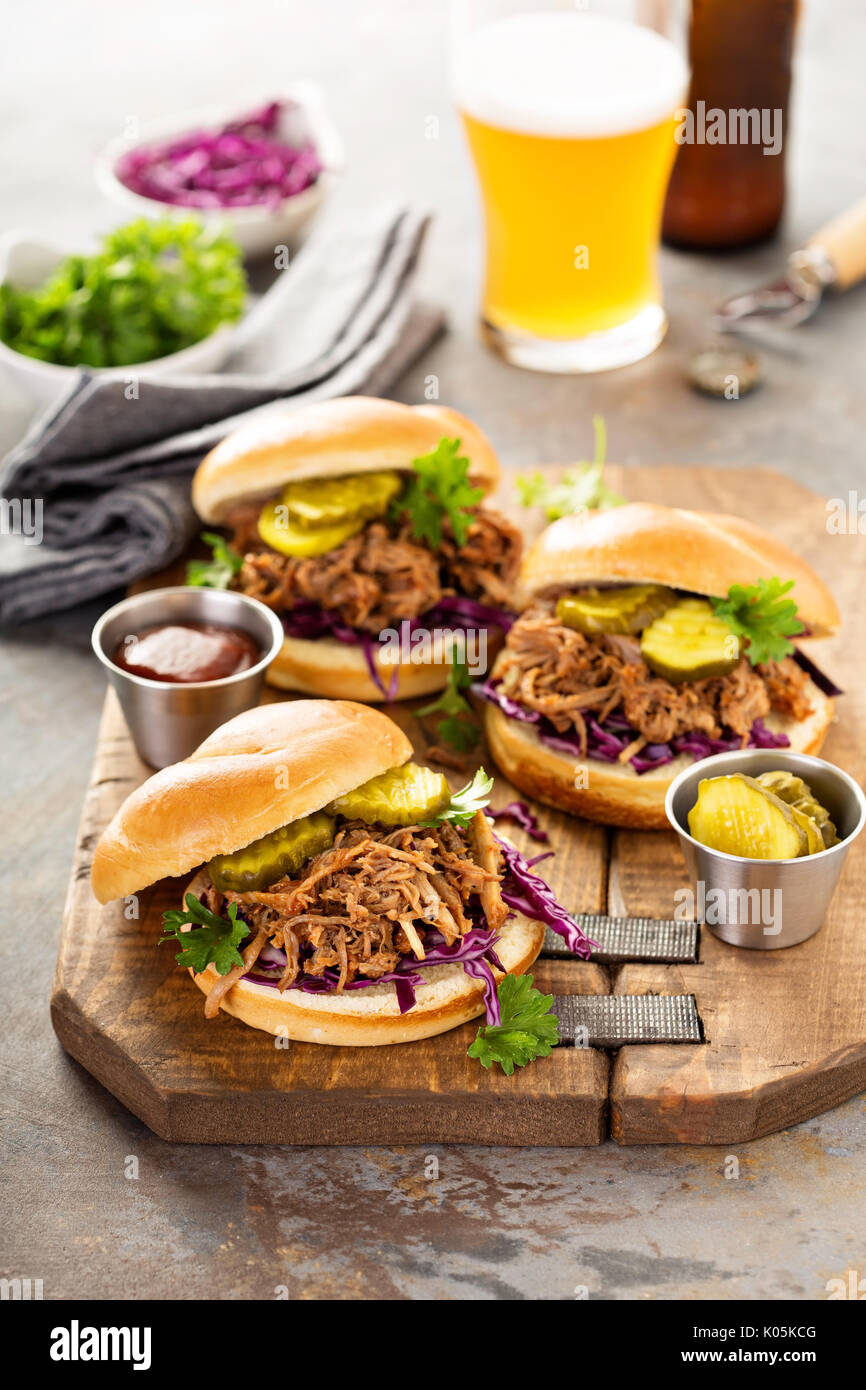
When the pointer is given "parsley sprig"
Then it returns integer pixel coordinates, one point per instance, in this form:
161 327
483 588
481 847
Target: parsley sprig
219 571
579 489
213 940
463 804
527 1029
439 490
761 614
455 728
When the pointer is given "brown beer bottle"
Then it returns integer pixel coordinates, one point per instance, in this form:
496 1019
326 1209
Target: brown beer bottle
727 188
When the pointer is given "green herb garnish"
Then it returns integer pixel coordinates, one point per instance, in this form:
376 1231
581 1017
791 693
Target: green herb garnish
219 571
439 490
463 804
456 728
760 613
213 940
153 288
527 1029
579 489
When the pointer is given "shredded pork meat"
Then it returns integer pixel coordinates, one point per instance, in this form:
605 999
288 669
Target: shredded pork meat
365 902
563 674
383 574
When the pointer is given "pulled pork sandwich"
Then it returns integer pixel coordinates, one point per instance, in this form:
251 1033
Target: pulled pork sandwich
358 520
342 894
655 637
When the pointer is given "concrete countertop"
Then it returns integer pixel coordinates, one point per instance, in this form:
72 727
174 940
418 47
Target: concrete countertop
648 1223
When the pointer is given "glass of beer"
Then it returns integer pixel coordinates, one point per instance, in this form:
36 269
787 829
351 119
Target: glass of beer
570 116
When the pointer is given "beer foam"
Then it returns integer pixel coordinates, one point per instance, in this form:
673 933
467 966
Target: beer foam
564 74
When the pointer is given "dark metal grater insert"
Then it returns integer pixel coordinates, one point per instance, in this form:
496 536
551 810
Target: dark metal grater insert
612 1020
623 939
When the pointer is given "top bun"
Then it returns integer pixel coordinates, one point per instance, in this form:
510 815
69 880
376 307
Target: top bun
265 768
353 434
703 552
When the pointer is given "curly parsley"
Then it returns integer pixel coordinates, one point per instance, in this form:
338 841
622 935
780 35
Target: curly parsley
763 616
440 490
527 1028
213 940
219 571
455 728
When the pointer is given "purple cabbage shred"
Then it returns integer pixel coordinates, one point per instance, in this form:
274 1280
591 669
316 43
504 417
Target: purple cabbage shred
519 812
245 163
606 742
474 951
524 891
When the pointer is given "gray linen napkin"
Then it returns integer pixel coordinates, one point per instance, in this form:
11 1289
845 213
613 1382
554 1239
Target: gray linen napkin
112 472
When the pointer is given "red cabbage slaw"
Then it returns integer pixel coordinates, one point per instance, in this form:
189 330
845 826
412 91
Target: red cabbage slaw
243 163
526 892
474 951
605 742
519 812
310 621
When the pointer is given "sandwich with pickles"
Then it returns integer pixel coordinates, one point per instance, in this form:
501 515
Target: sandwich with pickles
654 637
341 892
360 522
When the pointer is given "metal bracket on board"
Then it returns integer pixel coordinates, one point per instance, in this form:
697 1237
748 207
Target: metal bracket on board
612 1020
621 939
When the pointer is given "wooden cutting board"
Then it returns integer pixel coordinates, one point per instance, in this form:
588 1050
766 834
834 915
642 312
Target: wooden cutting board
785 1030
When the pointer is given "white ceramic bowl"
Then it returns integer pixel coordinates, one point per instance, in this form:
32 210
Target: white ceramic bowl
257 229
25 261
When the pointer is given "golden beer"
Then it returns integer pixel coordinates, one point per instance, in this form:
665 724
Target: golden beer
570 120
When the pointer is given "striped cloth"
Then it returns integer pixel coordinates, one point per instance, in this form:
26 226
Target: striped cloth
113 473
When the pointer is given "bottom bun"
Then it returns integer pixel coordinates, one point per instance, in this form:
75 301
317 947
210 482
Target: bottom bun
370 1017
614 793
337 670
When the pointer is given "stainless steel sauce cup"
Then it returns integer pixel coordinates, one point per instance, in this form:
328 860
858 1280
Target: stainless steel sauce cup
766 903
168 721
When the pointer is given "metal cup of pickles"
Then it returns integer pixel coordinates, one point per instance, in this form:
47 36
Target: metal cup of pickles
760 902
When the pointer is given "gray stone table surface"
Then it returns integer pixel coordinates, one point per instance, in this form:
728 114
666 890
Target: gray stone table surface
654 1223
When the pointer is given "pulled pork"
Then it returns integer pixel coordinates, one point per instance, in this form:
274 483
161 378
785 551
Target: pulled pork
563 674
383 574
365 902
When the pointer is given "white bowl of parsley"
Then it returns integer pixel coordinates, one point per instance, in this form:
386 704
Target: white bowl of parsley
154 299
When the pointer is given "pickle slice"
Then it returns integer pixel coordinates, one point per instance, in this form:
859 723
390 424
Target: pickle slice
317 515
814 837
689 643
332 501
402 796
279 532
626 610
798 793
736 815
284 851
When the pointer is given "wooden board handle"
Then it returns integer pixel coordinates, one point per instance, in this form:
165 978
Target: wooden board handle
843 241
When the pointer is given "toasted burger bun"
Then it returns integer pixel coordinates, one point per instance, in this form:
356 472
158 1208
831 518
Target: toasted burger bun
264 769
325 666
615 794
330 439
703 552
371 1017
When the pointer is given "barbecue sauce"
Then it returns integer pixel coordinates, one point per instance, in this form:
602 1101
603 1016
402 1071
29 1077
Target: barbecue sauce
182 653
